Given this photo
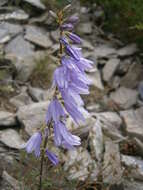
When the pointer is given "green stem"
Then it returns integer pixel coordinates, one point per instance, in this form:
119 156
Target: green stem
42 162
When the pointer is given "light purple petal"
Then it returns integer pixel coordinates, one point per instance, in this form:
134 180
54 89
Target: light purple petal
63 136
67 27
34 144
61 77
52 157
74 38
70 50
73 19
56 111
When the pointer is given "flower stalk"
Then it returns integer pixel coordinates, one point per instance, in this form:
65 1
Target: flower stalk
70 82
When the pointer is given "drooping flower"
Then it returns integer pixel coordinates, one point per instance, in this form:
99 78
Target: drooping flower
55 111
75 38
34 143
73 19
67 27
52 157
63 137
71 51
71 107
69 64
61 77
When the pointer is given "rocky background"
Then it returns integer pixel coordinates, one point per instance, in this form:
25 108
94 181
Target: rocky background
111 155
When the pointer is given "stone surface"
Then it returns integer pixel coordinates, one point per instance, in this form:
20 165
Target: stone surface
133 185
38 36
110 129
96 80
134 121
110 68
14 184
36 3
18 15
38 94
112 166
32 116
96 141
21 99
140 88
85 28
12 29
19 48
133 166
124 66
7 119
133 76
124 97
104 51
55 35
116 82
73 168
112 117
11 138
87 45
128 50
3 2
4 36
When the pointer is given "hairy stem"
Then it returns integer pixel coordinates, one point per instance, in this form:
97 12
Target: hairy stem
42 162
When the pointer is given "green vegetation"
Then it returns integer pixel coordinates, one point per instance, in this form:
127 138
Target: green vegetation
125 18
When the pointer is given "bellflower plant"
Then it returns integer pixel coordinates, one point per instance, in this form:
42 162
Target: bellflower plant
70 81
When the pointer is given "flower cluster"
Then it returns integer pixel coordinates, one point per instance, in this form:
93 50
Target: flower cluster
70 82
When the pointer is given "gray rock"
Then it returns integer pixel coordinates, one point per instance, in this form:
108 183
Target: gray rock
96 80
112 117
124 65
140 88
133 166
73 168
102 51
33 116
11 138
12 29
36 3
38 94
112 171
4 36
18 15
16 185
7 119
18 48
3 2
25 68
21 99
55 35
85 28
133 76
124 97
87 45
110 68
96 141
38 36
127 50
133 185
110 129
134 120
116 82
